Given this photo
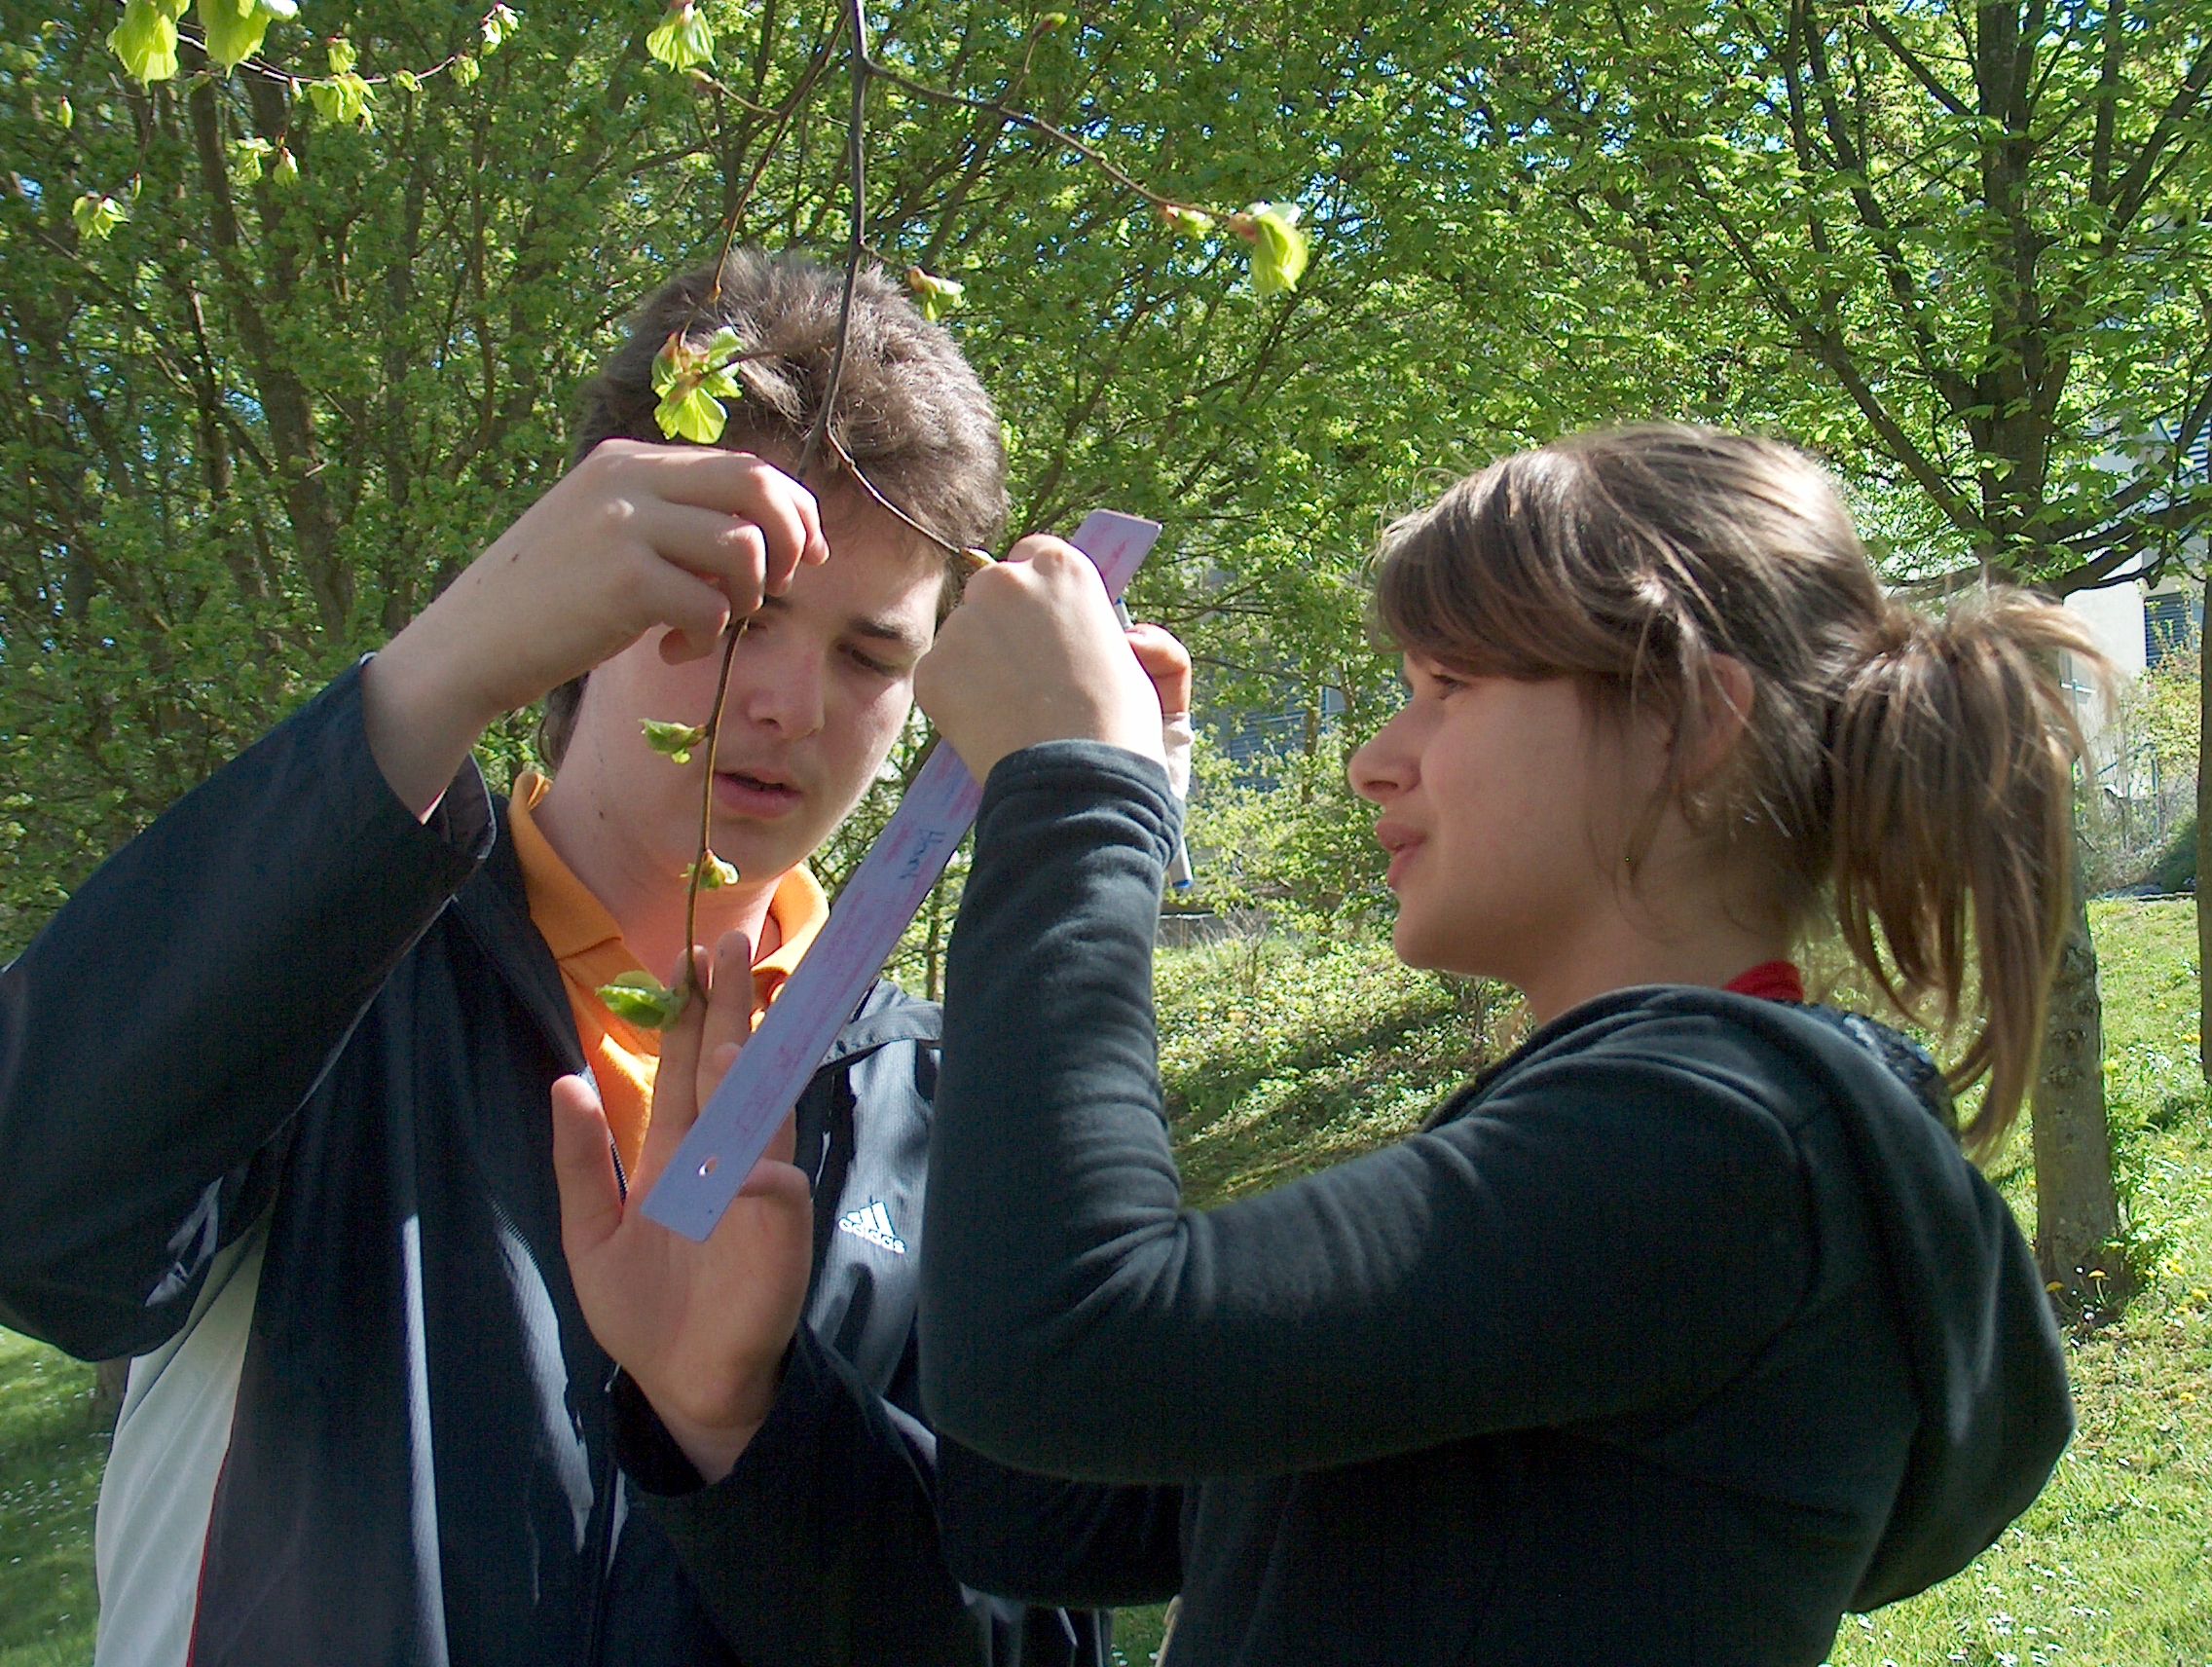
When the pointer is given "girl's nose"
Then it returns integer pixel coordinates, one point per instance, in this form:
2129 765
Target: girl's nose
1383 766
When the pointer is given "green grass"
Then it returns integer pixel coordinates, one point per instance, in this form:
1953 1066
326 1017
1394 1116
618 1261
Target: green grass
52 1446
1281 1060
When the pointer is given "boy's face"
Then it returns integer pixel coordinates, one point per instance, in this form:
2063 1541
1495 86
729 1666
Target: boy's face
821 683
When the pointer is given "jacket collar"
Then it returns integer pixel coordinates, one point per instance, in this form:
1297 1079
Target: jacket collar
494 910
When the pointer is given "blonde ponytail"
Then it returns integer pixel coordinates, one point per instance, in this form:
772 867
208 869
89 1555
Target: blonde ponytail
1952 749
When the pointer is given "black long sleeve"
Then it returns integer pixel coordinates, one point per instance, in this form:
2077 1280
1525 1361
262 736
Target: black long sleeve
847 1531
174 1014
820 1546
1497 1272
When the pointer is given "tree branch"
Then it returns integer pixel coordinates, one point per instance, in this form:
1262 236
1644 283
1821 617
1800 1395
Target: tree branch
1918 70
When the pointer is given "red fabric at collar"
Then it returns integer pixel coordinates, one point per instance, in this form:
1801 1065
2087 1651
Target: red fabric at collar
1770 980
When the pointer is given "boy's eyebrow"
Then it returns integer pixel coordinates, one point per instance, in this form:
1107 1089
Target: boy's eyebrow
887 629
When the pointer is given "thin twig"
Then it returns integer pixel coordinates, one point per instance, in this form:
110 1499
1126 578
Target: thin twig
707 811
976 559
1036 123
856 177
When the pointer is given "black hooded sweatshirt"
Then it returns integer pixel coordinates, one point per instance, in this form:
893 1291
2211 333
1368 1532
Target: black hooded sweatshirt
1679 1333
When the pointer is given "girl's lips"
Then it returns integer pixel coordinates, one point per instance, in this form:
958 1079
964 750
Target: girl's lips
741 794
1401 853
1401 842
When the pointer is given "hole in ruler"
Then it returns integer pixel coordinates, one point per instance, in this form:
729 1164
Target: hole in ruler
708 1167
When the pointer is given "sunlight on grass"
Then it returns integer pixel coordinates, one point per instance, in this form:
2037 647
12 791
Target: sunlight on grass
51 1452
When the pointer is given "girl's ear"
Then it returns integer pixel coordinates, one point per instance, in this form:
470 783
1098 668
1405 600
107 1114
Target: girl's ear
1723 714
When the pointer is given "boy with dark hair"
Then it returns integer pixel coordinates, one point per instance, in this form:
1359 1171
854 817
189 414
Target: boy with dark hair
285 1064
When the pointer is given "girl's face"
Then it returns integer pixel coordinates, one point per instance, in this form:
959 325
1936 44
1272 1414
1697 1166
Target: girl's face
1506 809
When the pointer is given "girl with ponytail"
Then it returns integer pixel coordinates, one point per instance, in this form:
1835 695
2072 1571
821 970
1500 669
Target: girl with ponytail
1683 1330
1823 745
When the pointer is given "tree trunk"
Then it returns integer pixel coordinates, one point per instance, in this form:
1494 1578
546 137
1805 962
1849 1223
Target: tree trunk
2078 1243
2203 853
110 1378
933 949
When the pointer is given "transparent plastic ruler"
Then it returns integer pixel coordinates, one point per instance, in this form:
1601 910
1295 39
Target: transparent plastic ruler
734 1127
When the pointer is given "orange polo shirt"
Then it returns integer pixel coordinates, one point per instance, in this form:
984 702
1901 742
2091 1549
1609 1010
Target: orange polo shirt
587 946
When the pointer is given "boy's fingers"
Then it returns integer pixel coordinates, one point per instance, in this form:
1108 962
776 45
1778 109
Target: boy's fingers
736 557
697 612
1036 544
792 522
738 484
583 1167
784 1142
729 1016
675 1083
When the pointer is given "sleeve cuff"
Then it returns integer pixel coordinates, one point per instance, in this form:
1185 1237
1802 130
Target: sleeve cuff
461 822
651 1459
1080 775
648 1454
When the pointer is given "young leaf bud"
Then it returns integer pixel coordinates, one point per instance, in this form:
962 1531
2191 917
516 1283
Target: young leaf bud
673 740
642 1000
937 296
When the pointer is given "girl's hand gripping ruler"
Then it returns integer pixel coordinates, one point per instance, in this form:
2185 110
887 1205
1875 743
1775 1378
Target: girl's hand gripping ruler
879 900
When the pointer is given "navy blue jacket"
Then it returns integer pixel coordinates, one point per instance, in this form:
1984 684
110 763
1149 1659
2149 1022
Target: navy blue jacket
288 1008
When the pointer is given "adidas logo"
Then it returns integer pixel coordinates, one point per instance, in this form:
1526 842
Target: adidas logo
873 1224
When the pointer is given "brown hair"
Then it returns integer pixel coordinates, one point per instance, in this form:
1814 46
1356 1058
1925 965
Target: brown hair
911 412
1917 769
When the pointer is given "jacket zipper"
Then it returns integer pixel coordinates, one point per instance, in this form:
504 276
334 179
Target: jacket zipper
610 1480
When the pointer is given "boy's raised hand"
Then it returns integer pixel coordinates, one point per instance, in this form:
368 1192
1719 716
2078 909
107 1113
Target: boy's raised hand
701 1328
1034 653
634 538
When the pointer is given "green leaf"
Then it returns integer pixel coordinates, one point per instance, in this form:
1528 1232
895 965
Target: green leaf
249 156
1279 249
341 59
691 414
692 385
937 296
673 740
721 347
466 70
681 39
97 215
640 998
146 39
285 170
668 363
713 874
1188 222
500 23
65 115
343 97
407 81
232 31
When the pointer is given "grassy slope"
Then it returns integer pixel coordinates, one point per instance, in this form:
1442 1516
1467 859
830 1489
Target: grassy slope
1279 1063
51 1451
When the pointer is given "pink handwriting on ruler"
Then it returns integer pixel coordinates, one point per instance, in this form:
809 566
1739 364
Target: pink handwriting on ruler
734 1127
